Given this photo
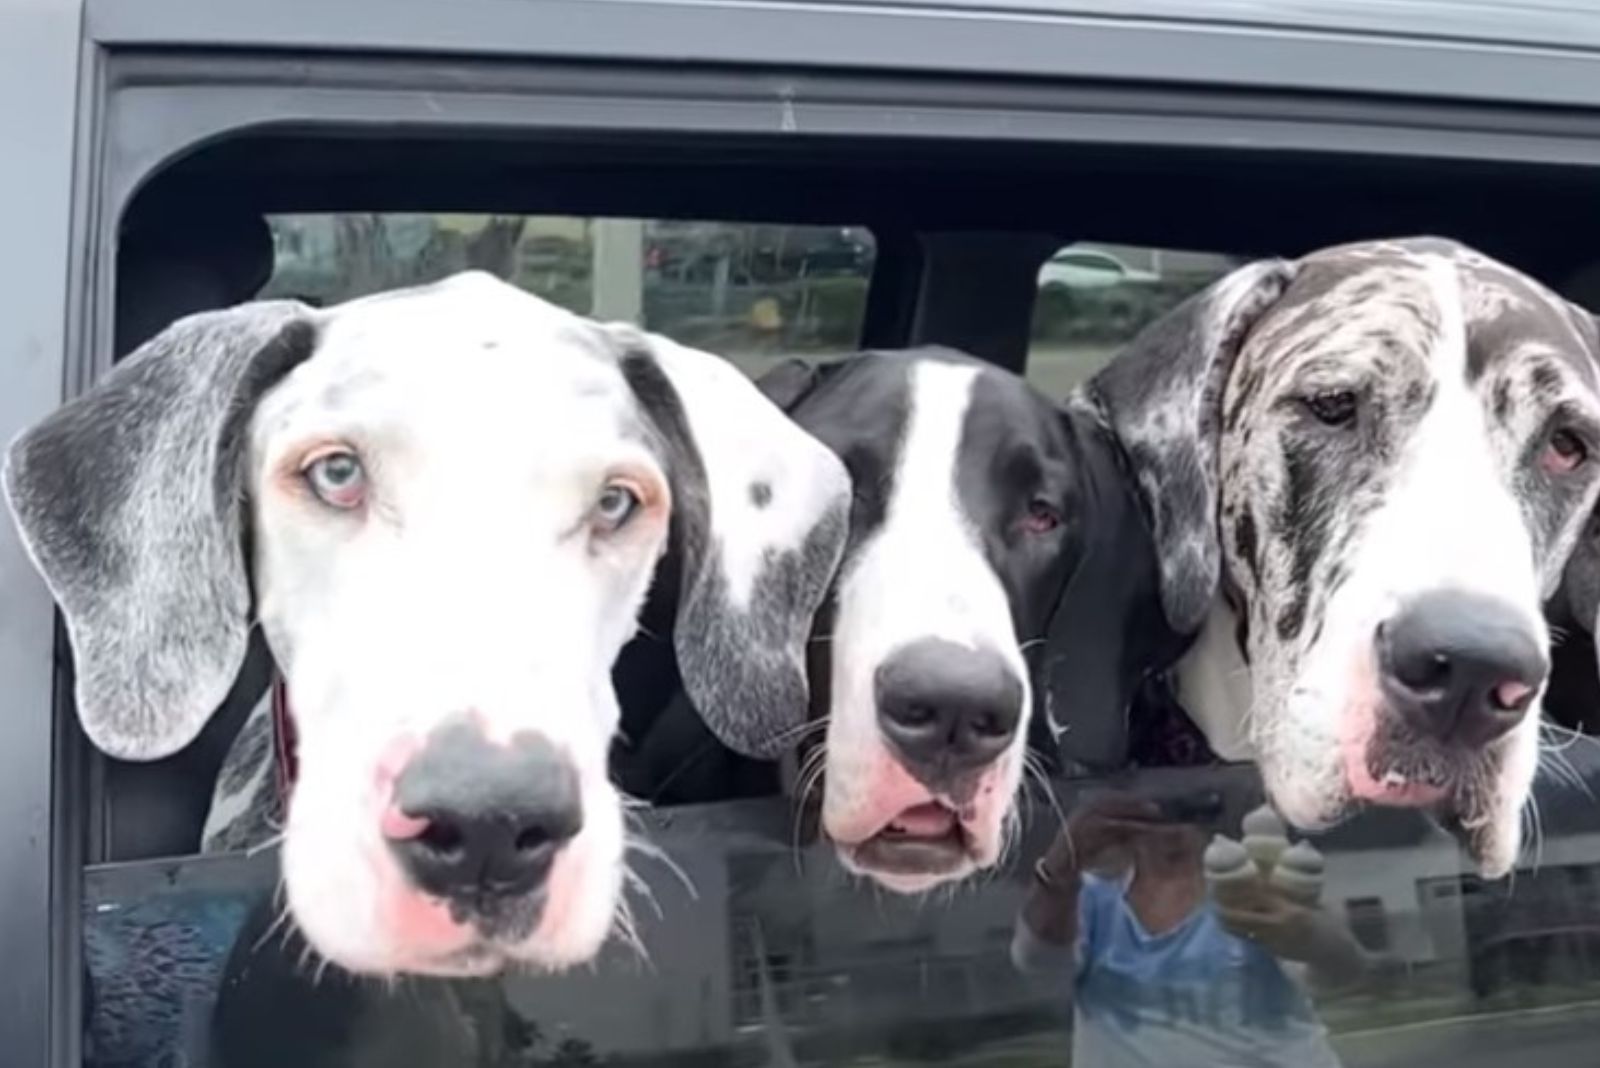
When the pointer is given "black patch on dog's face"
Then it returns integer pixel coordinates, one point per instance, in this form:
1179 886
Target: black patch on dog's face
1014 457
1534 358
1296 488
1013 453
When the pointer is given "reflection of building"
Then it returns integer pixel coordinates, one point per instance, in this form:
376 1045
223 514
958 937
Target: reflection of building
736 288
773 956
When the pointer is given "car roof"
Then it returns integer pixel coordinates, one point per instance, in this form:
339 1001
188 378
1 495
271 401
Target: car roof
1485 50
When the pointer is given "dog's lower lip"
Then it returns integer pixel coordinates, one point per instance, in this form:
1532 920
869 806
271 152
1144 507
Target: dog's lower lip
925 839
930 820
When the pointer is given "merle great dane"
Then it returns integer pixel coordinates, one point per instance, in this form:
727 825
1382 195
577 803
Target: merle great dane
1366 469
444 507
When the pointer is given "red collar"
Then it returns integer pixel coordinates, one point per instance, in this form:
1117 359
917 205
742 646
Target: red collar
283 740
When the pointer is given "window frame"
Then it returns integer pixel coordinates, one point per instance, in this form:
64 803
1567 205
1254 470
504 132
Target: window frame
137 109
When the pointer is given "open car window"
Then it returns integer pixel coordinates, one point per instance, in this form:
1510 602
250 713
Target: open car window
743 941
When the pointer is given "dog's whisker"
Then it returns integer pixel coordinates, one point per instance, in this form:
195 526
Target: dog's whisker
278 923
1031 765
627 927
811 771
796 734
265 844
649 849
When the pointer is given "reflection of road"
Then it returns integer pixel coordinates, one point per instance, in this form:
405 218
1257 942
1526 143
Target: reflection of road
1564 1037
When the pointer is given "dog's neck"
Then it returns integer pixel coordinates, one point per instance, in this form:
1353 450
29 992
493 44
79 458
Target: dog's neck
1213 681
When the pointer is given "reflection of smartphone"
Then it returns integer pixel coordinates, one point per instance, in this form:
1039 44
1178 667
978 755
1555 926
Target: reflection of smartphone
1201 806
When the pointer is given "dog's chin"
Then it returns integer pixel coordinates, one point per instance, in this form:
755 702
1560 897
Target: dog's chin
922 846
1469 791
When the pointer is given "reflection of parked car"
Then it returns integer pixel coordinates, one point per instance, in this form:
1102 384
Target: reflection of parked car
758 255
1089 268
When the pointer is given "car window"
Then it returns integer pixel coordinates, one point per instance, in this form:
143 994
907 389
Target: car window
753 293
1093 299
744 940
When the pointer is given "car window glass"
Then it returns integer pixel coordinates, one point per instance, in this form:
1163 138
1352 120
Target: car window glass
746 291
1094 298
746 943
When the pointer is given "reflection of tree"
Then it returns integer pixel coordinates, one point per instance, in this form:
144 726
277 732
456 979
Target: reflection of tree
494 248
363 260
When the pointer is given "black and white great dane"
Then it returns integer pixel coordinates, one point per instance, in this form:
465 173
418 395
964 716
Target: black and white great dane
444 507
999 586
1366 469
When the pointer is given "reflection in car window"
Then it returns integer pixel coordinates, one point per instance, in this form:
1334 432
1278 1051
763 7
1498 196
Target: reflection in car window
776 957
1093 299
746 291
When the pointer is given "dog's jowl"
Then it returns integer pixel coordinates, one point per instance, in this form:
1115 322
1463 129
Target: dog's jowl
998 566
1366 469
455 499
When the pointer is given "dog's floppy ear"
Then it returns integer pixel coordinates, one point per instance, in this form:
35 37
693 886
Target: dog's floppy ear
1162 397
759 518
130 500
790 382
1108 631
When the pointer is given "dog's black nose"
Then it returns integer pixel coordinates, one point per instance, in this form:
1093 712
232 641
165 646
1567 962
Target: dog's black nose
482 821
1460 667
945 708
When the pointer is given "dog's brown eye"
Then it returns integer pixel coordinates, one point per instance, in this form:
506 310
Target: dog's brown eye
1335 407
1041 518
338 479
617 504
1564 452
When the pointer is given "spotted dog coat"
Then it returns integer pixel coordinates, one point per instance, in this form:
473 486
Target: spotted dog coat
1321 442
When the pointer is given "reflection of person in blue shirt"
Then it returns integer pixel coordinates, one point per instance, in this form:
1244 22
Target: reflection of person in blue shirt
1161 975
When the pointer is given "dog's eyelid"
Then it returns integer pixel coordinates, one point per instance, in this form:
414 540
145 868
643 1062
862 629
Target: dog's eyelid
1575 419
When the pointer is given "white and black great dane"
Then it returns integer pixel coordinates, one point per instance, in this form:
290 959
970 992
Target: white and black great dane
454 499
1366 469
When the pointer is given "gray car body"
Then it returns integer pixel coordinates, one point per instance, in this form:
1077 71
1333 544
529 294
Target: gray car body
84 124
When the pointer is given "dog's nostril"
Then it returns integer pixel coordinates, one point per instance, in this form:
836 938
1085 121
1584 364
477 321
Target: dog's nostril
532 839
1429 672
990 725
441 838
